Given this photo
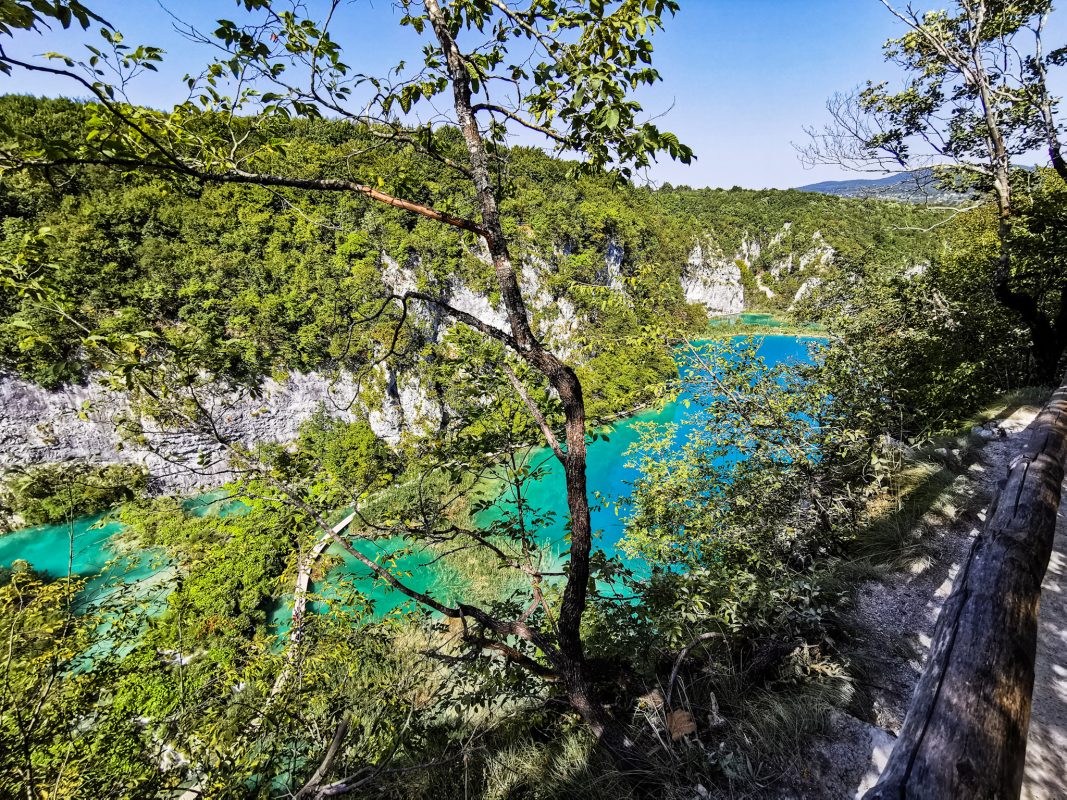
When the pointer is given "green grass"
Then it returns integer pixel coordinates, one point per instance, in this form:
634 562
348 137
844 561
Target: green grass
926 493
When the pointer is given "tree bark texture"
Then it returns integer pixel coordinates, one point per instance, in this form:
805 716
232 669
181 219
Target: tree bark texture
572 667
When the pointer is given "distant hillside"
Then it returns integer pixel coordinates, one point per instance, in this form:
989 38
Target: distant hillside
911 186
262 289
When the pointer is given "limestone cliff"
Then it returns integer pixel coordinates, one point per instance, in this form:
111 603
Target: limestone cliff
89 423
83 423
713 281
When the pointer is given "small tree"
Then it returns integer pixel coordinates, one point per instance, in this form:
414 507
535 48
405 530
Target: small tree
977 96
562 69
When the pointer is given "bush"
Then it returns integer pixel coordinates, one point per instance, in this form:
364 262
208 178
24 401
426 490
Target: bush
52 494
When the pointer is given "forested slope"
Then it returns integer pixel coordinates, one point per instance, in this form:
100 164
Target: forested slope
722 652
260 279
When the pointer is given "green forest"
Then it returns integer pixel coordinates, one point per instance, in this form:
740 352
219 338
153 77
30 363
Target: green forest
794 387
258 280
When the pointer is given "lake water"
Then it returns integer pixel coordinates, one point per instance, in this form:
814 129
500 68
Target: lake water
607 469
84 548
87 547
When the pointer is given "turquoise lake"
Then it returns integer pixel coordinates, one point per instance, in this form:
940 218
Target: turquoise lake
87 547
607 469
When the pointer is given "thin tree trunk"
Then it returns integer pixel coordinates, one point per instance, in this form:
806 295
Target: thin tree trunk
1042 336
1047 340
1045 347
612 736
1044 102
574 671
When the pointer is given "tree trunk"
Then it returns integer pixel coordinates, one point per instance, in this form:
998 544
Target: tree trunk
1044 100
612 736
1043 338
1047 353
1056 157
1046 340
610 733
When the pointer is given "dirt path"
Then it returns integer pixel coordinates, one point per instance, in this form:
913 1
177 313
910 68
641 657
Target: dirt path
892 624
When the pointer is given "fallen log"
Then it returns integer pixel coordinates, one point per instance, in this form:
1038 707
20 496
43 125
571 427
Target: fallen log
964 735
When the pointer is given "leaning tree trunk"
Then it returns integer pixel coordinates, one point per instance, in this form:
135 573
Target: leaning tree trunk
574 672
965 732
1043 338
1046 340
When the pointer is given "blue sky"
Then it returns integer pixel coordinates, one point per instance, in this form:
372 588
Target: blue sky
741 77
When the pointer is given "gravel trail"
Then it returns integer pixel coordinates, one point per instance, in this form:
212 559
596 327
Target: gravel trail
893 621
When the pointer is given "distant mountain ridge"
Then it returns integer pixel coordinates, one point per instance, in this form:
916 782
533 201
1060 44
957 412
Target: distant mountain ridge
914 186
902 186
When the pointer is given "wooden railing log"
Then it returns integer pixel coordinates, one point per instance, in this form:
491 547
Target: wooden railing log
964 735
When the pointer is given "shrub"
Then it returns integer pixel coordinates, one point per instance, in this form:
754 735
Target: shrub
54 493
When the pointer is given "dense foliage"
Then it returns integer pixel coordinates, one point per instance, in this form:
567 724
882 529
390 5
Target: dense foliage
781 239
978 100
253 279
57 493
743 530
936 330
244 282
408 620
120 703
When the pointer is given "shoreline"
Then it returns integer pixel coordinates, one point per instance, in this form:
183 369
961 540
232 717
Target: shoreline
595 425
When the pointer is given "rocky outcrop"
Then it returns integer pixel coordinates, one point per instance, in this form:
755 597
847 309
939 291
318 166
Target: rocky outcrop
713 281
767 290
820 254
806 288
92 424
776 265
713 278
85 423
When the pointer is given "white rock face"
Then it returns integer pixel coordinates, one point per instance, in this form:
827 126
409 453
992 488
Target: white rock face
713 281
464 299
406 406
39 426
34 423
767 290
750 250
821 253
806 288
916 270
397 278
